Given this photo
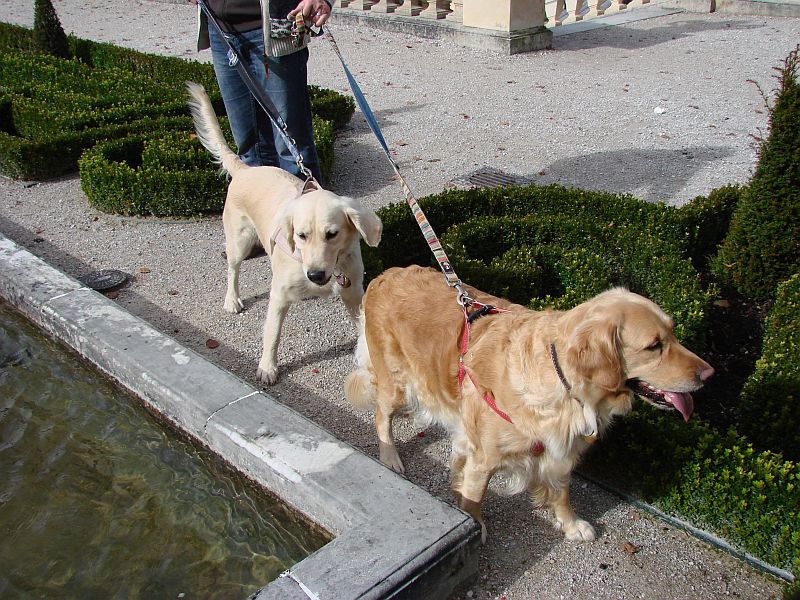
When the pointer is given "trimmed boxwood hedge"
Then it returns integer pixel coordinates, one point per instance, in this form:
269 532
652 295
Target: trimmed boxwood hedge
47 32
762 248
707 219
53 109
715 480
701 224
647 247
646 262
769 410
127 177
59 153
169 174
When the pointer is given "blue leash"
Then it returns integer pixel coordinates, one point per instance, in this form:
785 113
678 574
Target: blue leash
422 221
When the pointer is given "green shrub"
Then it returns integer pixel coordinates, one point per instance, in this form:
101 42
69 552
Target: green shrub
762 247
52 110
717 481
769 411
405 245
15 38
153 67
521 243
148 175
165 173
59 153
707 220
50 93
48 35
331 106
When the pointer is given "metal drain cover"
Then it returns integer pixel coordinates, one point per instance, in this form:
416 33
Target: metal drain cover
487 177
104 280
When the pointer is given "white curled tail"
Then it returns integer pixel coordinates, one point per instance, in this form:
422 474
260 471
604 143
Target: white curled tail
208 130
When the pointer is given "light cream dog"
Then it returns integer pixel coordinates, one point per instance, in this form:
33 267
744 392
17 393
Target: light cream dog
538 386
312 236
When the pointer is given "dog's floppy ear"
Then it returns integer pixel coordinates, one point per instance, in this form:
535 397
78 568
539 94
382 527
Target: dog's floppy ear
285 227
366 222
595 354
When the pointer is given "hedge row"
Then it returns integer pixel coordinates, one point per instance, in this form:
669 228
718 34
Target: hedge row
166 174
52 109
553 245
700 224
557 246
714 480
532 260
769 410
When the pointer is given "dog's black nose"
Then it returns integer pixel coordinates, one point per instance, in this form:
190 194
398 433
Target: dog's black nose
317 276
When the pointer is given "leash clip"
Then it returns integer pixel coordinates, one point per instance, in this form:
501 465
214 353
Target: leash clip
233 58
462 296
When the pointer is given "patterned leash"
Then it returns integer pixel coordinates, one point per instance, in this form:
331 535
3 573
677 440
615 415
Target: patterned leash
424 225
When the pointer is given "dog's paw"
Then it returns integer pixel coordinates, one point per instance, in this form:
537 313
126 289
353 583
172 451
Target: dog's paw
579 531
267 374
484 536
390 458
233 305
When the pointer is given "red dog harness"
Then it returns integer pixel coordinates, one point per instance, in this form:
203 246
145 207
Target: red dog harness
478 310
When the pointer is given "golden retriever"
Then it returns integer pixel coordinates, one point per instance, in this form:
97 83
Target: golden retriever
540 386
312 235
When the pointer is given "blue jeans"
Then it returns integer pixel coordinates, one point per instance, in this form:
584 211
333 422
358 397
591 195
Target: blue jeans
285 80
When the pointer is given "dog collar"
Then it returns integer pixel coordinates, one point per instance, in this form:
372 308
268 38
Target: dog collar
281 242
557 367
591 435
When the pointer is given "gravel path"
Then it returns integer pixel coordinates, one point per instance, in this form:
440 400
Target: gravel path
660 108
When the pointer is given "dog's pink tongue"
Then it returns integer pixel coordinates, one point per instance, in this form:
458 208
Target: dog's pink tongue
683 402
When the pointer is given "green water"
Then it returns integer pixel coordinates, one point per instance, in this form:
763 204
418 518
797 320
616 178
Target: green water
99 500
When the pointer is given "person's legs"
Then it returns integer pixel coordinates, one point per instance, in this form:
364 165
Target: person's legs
287 86
251 127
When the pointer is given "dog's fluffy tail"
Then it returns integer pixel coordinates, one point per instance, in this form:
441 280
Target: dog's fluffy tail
208 130
359 387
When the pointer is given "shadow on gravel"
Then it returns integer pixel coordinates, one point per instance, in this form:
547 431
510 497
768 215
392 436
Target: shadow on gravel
634 39
632 171
361 168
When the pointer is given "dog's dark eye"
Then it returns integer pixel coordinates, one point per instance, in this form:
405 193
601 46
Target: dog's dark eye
302 236
654 346
331 234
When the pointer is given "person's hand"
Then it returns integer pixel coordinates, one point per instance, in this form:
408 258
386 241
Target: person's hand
314 11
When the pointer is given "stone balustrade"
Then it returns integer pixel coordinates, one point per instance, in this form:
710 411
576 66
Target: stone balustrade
510 25
561 12
495 15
